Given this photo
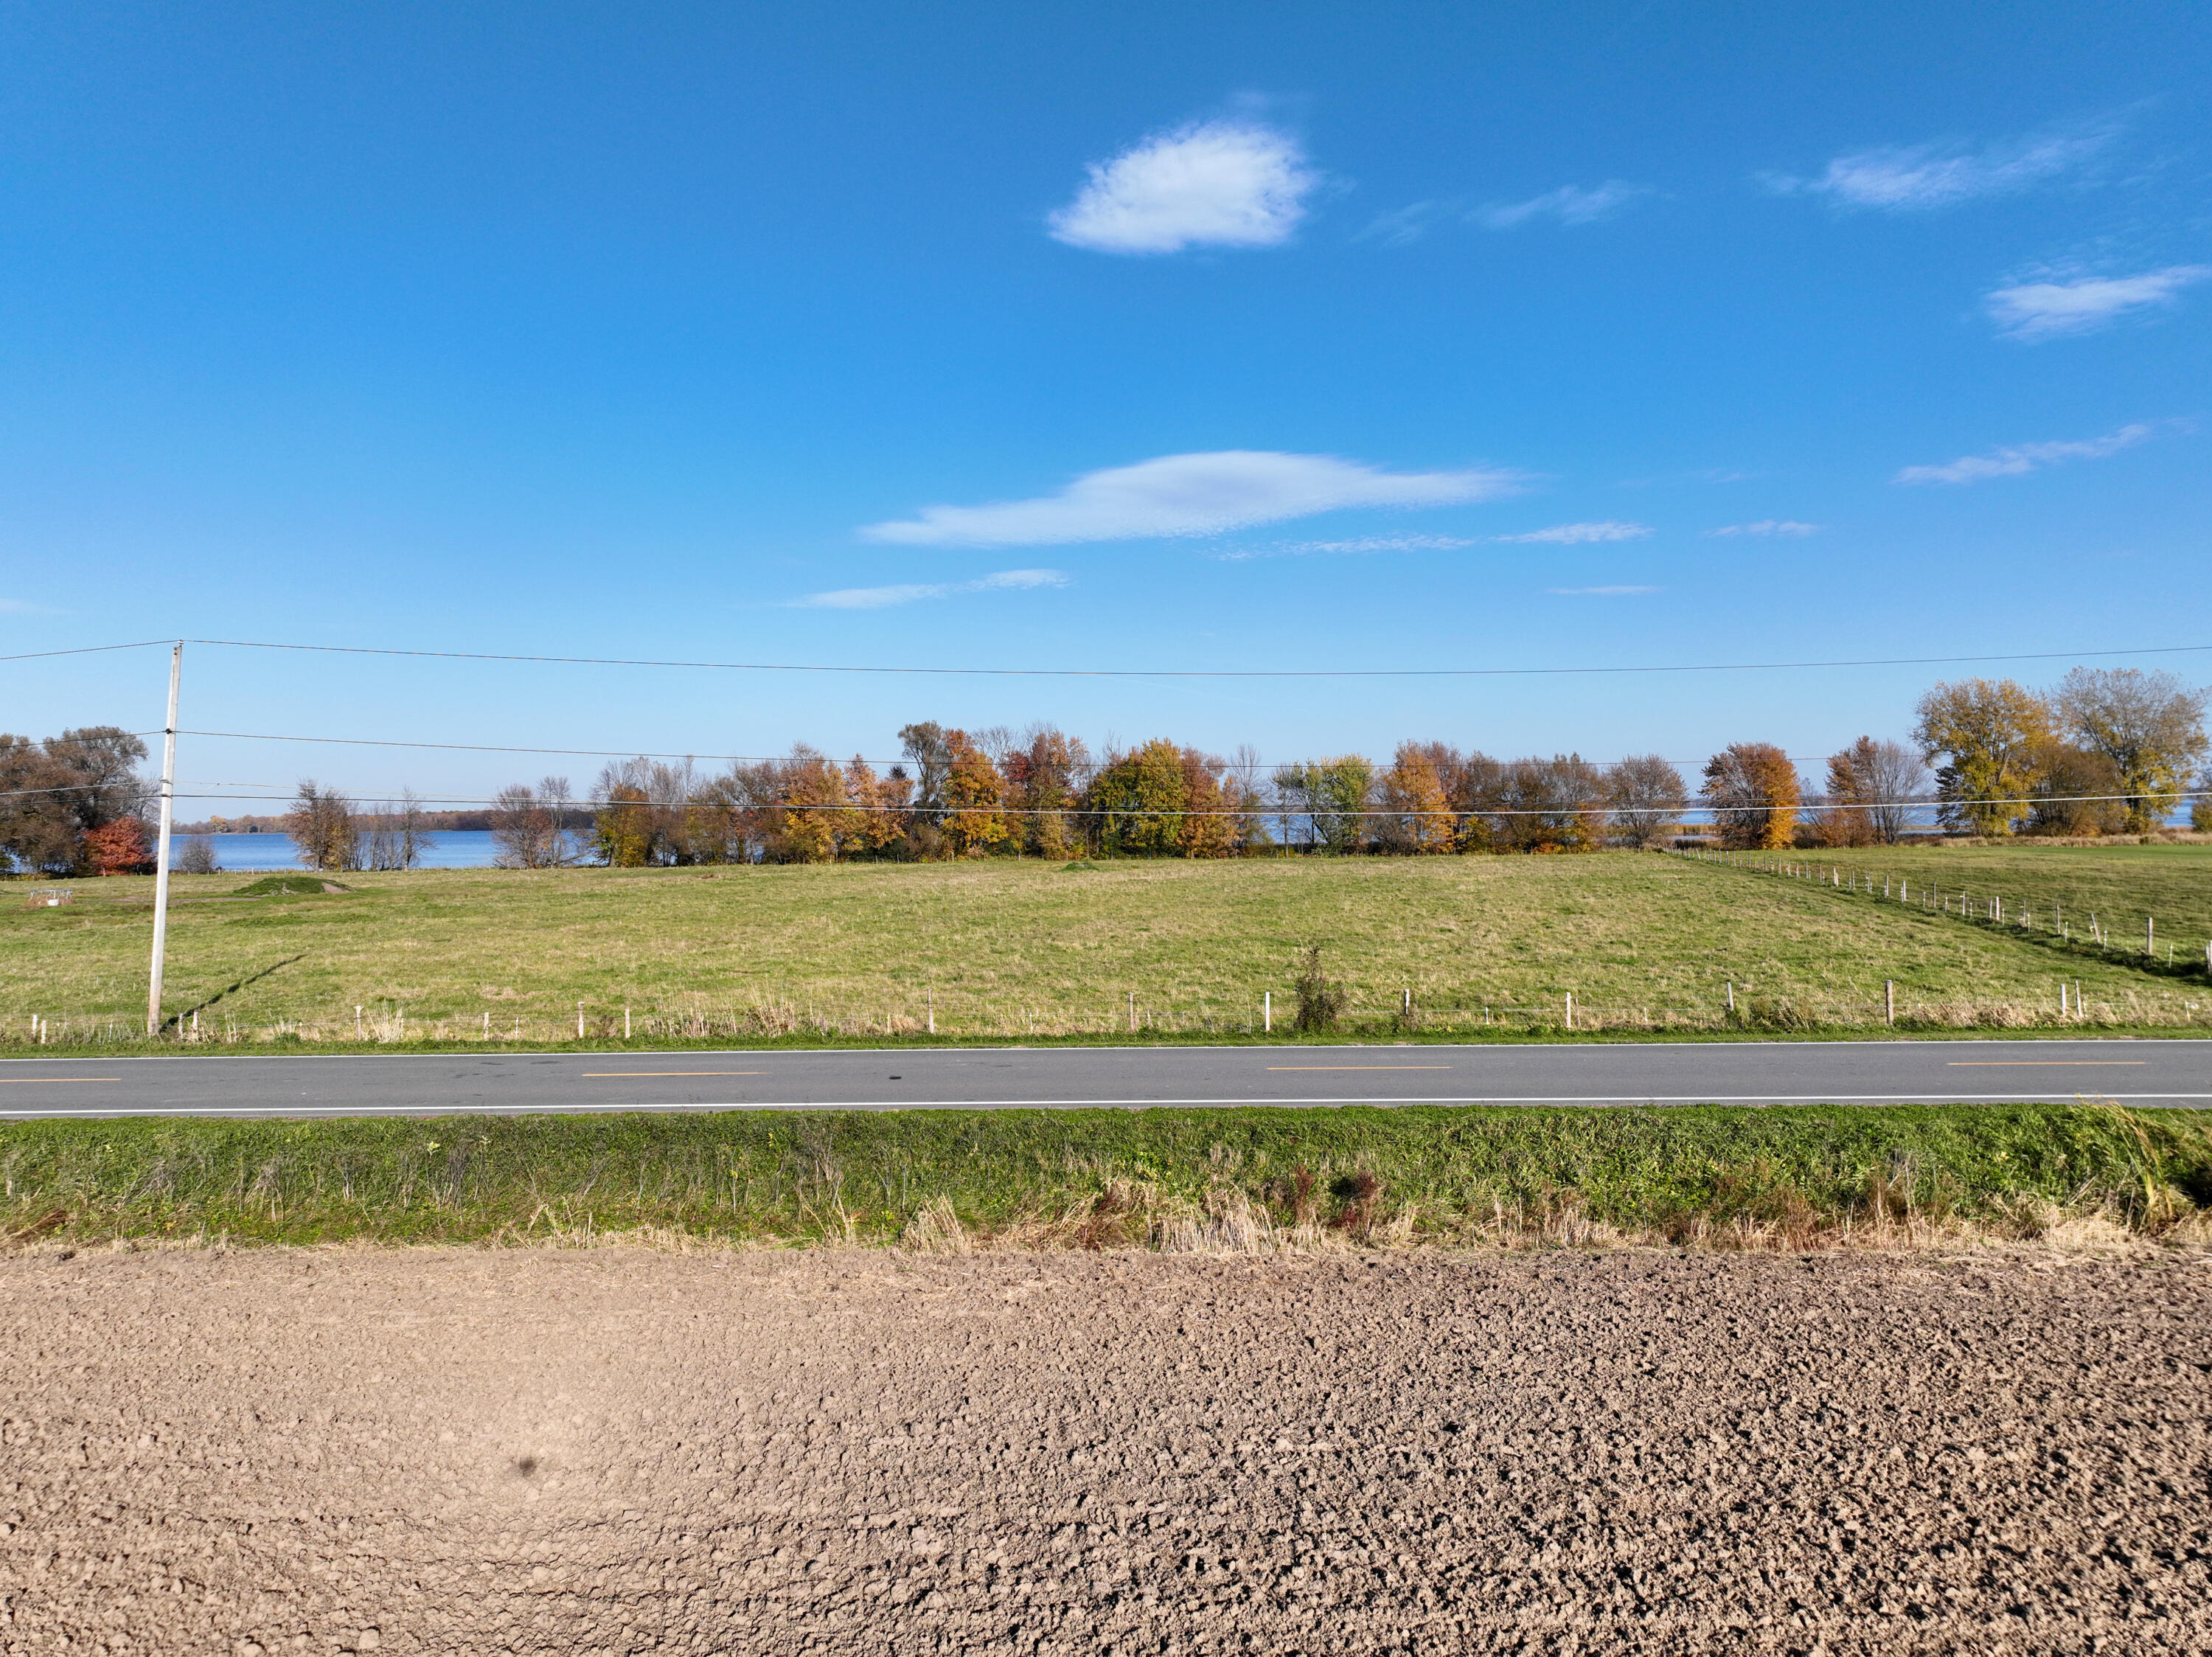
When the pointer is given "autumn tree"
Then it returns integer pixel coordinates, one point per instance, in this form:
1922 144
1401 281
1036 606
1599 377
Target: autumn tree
1553 804
1647 799
1415 815
2150 726
975 811
2077 793
118 848
1044 774
1750 789
1988 731
534 828
1208 830
323 826
878 817
809 818
1475 785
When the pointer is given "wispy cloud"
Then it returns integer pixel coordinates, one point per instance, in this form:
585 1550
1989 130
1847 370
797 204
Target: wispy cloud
1357 546
1576 534
2045 310
885 597
1916 178
1190 494
1211 184
1767 526
1568 205
2023 458
1601 592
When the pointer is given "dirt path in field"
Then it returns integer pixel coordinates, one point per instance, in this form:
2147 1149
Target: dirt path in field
841 1452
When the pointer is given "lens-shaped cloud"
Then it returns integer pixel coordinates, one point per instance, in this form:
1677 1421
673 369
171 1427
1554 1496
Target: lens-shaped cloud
1190 494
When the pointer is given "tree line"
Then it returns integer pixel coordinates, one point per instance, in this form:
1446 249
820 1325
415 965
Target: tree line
2104 751
2107 754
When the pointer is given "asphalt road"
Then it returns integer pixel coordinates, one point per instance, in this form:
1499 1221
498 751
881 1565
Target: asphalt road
1739 1073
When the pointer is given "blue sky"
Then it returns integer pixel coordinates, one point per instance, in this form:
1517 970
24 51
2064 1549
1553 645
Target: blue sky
1132 337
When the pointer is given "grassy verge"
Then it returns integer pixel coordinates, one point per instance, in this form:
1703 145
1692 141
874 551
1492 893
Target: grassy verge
1240 1178
1003 949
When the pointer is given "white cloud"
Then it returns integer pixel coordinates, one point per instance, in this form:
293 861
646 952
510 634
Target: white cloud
1576 535
1211 184
1568 204
885 598
1409 223
1767 526
1189 494
2024 458
2043 310
1363 543
1915 177
1601 592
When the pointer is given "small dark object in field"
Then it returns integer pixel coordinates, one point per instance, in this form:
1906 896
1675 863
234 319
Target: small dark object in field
1362 1196
526 1465
1321 1003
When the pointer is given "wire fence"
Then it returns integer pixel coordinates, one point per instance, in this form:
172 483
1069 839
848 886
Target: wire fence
1730 1008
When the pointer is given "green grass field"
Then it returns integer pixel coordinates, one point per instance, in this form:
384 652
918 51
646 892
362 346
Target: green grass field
1162 1177
2119 885
1036 951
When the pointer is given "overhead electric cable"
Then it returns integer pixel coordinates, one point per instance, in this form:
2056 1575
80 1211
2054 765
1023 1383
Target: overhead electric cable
1198 672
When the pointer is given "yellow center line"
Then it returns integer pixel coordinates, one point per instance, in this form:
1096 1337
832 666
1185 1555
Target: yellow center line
589 1074
32 1081
1359 1067
1984 1063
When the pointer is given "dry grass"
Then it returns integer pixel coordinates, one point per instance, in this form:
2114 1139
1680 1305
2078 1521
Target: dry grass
877 951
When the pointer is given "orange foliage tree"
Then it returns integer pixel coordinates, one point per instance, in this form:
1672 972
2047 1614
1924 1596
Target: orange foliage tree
117 848
974 804
1752 788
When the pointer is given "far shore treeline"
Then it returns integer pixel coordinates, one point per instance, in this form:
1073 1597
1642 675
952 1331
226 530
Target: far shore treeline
2105 751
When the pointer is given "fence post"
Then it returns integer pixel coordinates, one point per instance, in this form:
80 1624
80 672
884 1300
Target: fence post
1731 996
2150 935
1267 1005
929 1004
579 1021
1889 1000
1133 1012
1571 1010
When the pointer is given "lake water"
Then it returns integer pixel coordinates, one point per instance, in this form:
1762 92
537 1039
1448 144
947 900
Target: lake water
243 853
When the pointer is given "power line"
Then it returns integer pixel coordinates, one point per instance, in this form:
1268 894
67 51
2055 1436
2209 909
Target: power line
1598 808
88 650
1198 672
648 754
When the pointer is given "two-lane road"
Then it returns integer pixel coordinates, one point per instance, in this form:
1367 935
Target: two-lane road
1656 1073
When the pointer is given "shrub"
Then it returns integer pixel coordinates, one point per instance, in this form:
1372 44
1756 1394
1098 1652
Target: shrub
1321 1000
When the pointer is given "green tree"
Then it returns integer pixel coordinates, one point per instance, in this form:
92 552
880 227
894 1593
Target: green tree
1137 801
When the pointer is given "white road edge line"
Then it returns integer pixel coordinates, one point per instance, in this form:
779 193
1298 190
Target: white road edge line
601 1109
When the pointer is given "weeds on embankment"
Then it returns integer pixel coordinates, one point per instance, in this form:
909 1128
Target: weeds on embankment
1239 1179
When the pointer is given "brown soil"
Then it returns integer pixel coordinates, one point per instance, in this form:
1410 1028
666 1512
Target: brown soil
622 1451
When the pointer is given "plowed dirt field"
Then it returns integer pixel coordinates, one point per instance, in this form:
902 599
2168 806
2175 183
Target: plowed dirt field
624 1451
